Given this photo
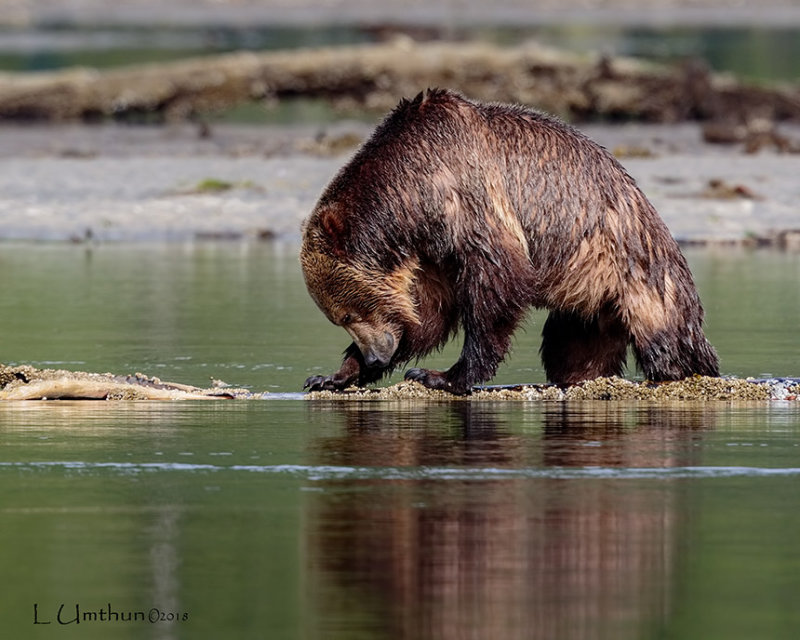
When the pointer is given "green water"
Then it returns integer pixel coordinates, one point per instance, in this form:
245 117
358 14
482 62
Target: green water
240 313
288 519
752 53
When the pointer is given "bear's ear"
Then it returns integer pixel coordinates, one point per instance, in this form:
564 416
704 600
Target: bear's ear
334 228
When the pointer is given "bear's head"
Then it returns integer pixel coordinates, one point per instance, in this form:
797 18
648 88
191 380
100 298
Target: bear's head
374 303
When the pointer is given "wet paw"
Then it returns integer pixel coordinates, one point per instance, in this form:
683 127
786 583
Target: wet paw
437 380
321 383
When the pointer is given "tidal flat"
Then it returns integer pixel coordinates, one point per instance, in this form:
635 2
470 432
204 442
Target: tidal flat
122 183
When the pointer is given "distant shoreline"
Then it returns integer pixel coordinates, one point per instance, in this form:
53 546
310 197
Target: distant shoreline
132 183
452 13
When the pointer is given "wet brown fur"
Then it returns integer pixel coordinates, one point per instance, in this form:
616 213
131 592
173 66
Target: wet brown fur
461 214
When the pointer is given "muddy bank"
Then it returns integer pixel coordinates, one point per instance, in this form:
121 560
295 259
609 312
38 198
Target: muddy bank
178 183
698 388
576 87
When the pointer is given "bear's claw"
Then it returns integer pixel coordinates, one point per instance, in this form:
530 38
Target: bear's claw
436 380
320 383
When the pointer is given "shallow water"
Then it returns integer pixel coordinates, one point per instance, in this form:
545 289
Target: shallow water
285 518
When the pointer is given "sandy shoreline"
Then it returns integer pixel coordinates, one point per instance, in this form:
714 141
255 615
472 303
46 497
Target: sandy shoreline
112 183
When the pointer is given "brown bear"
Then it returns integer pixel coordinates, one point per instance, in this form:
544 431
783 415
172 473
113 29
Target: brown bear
457 214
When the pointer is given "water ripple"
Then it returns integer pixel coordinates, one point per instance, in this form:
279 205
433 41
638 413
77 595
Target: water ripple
322 472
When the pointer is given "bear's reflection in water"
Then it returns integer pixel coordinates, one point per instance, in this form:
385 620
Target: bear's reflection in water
497 557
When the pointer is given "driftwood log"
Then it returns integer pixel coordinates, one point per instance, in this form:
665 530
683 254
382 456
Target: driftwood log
375 76
29 383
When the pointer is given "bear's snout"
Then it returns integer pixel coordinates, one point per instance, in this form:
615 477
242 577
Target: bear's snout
372 360
379 354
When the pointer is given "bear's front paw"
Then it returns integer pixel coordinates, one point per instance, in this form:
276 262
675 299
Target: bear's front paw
435 380
322 383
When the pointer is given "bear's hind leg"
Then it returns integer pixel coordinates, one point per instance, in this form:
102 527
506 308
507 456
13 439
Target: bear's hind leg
676 355
576 348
